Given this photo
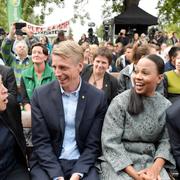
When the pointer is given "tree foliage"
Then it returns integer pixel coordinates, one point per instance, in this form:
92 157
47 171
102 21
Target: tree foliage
28 11
80 11
170 28
100 31
3 15
169 11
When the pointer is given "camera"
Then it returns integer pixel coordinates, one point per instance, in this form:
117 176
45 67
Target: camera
19 26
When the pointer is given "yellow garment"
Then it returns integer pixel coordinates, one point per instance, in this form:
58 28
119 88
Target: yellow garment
173 82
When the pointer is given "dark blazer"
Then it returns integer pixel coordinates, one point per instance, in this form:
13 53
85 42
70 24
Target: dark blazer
110 83
48 125
11 118
173 124
13 112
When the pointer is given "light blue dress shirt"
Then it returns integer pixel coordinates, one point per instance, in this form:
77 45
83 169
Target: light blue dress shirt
69 149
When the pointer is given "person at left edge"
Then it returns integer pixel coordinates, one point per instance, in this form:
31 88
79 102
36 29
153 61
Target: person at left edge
67 117
9 81
12 152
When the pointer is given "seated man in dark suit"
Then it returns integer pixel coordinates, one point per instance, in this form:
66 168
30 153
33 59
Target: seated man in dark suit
67 117
12 142
173 124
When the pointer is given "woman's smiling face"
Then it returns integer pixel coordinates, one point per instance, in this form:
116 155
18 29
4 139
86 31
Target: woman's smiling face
100 64
146 77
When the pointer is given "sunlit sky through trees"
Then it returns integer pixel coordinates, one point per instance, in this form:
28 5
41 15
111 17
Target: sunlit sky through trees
95 10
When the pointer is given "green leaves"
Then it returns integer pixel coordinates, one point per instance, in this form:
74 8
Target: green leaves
169 11
28 11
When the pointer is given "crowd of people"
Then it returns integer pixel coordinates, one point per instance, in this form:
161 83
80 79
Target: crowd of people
99 110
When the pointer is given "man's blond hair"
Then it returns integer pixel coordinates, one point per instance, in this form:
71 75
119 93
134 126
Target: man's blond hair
69 49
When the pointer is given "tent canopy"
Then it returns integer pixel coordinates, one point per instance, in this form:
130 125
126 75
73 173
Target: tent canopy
135 16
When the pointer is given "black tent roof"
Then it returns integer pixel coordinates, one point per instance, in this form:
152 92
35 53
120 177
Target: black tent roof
135 16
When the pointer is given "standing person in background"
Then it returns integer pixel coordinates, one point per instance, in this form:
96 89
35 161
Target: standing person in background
174 39
83 39
135 141
67 117
60 37
92 39
160 38
13 150
122 38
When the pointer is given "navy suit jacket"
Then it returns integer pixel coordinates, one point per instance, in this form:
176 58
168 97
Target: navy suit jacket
173 124
12 113
48 125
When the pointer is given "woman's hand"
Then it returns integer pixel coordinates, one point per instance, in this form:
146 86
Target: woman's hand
153 172
132 173
150 173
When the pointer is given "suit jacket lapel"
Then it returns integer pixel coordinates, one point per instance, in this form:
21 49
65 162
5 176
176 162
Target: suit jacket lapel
81 105
58 105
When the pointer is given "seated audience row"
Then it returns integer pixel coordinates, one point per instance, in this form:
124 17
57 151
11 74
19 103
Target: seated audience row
68 114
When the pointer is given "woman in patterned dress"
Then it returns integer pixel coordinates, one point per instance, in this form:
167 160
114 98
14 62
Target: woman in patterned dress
135 141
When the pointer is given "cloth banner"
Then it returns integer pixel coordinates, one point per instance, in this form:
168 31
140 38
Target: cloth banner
40 29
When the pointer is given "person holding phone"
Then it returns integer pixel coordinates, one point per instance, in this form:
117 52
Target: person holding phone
19 35
19 61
